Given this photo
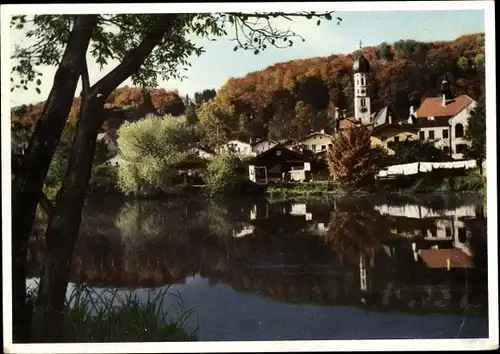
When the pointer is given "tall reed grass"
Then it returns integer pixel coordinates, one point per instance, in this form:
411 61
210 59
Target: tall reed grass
108 316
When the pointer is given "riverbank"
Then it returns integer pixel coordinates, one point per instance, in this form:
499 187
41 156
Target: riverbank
91 317
405 185
433 182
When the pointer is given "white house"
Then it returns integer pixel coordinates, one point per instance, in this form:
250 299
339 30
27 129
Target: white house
262 145
115 161
443 120
239 147
317 142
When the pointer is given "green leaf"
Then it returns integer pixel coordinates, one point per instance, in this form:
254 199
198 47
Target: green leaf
256 52
25 87
318 22
235 48
38 82
328 17
38 90
308 16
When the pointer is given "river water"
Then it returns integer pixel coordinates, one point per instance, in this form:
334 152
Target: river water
257 269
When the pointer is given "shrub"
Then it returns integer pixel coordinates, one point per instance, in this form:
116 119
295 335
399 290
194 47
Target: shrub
149 148
222 177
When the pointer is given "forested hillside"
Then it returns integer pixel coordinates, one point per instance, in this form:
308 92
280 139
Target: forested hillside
290 99
308 90
124 97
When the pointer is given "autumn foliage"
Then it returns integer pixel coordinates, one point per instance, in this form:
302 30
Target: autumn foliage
168 102
352 161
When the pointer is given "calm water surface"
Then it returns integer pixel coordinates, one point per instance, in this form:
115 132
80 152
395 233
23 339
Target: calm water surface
253 269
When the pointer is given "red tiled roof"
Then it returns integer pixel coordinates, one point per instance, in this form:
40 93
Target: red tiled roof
431 106
435 258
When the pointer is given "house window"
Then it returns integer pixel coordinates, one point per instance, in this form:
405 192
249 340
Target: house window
330 146
363 102
446 149
459 131
431 134
445 133
462 235
313 147
448 231
278 152
461 148
421 135
362 81
323 147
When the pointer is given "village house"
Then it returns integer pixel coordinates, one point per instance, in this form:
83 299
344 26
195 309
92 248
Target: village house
261 145
389 129
238 147
317 141
443 121
201 151
279 164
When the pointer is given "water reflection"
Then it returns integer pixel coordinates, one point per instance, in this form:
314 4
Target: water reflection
398 256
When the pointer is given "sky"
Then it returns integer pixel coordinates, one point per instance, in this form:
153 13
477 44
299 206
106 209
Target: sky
219 63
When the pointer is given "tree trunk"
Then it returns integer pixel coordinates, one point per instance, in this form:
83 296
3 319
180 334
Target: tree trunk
31 175
63 227
62 231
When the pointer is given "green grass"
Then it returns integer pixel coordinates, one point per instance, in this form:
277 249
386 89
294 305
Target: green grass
94 317
310 189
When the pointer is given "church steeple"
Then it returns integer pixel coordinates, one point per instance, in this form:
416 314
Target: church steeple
361 68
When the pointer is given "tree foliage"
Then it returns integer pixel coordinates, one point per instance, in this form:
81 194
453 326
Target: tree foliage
221 176
218 123
352 161
476 132
416 151
149 148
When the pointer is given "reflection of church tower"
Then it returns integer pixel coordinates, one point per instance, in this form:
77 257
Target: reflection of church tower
366 267
361 68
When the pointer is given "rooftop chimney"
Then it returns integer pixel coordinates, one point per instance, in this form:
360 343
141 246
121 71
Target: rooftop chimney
412 110
443 101
337 113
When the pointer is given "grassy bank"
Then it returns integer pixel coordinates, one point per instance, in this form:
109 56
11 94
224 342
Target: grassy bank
436 182
108 317
428 183
310 189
